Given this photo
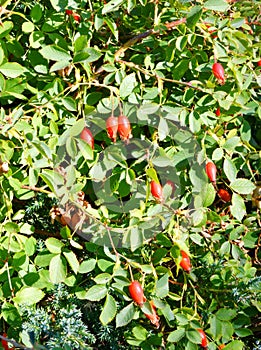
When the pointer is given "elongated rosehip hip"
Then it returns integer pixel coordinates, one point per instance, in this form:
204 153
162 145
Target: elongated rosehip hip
211 171
112 127
185 261
204 342
136 292
69 12
219 72
124 128
218 113
156 190
86 135
259 63
153 317
224 195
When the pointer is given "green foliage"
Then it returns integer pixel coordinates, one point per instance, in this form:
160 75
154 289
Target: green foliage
78 224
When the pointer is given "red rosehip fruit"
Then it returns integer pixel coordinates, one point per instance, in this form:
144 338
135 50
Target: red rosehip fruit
259 63
124 128
224 195
211 171
136 292
69 12
156 190
219 72
218 113
112 127
185 261
86 136
76 17
204 341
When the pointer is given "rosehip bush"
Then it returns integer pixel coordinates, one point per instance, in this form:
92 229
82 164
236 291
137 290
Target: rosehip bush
130 151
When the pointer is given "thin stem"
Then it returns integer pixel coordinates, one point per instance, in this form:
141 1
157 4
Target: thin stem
35 189
155 75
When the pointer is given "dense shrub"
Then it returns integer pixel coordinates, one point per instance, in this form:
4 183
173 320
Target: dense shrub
79 217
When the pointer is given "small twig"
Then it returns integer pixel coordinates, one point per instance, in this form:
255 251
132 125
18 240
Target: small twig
144 35
154 75
35 189
48 234
17 345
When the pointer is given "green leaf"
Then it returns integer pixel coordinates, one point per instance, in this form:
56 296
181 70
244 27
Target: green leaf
12 70
193 336
243 332
227 330
54 245
97 292
87 55
199 217
52 179
55 53
220 5
69 103
235 345
36 13
127 85
215 327
209 195
85 149
238 208
28 296
162 286
72 260
242 186
59 5
194 16
112 6
225 248
10 314
151 173
28 27
59 65
125 316
163 129
230 169
109 310
102 278
30 246
232 143
57 269
113 27
87 266
225 314
5 28
176 335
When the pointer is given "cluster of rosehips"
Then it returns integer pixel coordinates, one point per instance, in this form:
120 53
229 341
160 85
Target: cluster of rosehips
211 171
114 125
137 295
74 15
